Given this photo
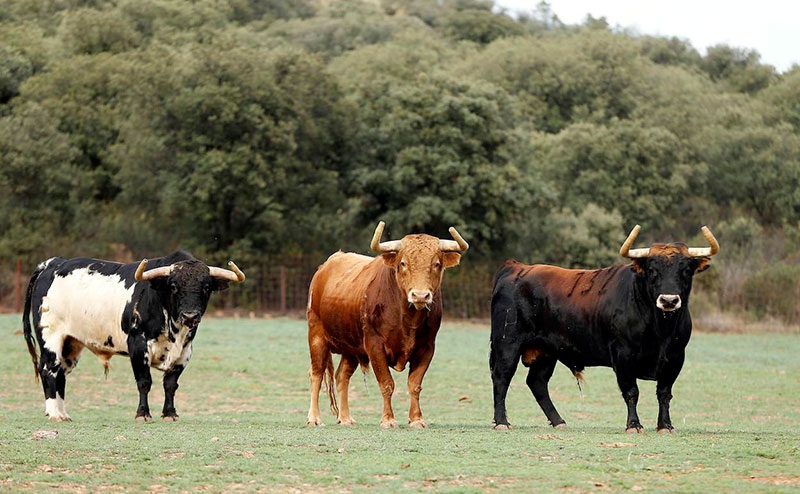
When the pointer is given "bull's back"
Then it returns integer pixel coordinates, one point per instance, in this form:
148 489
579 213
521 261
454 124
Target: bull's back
567 311
336 293
83 304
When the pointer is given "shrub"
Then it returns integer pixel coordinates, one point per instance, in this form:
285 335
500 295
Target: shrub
775 291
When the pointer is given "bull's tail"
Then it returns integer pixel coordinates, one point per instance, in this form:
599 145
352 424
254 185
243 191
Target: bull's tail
26 321
330 385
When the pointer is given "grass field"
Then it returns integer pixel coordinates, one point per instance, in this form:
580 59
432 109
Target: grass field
243 403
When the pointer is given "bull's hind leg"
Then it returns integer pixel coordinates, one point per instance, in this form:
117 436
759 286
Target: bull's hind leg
539 374
503 362
54 383
53 370
347 366
321 360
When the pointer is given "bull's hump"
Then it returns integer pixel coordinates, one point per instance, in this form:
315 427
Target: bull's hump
573 283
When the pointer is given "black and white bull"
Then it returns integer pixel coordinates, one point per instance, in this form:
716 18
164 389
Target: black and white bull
148 311
634 318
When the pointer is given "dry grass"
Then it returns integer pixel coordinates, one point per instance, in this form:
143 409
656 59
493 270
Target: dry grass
715 321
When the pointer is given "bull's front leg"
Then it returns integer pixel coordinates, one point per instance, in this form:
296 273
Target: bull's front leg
140 361
664 381
380 366
630 393
168 414
417 367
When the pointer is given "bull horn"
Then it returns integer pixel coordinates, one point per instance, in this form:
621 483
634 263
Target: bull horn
234 274
389 246
142 275
626 251
459 245
705 251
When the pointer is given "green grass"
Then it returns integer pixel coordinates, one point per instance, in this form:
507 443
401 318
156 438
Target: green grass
244 398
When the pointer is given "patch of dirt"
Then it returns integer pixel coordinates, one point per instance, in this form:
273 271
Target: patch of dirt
790 480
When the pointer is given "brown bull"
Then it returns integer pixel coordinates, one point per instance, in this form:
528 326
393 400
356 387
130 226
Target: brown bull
385 310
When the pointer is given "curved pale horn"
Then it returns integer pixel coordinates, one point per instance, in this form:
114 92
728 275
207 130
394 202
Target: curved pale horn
705 251
142 275
626 251
234 274
377 246
459 245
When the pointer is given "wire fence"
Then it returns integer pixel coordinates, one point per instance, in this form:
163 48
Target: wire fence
280 286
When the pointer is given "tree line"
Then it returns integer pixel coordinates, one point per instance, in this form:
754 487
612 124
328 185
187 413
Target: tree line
255 130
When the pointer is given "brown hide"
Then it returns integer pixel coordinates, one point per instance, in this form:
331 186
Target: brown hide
385 311
583 288
336 295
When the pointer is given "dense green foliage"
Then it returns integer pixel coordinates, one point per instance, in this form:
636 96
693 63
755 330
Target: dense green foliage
254 130
243 402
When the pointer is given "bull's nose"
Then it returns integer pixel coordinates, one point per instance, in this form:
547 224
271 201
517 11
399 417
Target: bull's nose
420 296
190 318
668 302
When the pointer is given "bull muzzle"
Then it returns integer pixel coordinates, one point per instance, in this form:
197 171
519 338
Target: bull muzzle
420 299
668 303
190 319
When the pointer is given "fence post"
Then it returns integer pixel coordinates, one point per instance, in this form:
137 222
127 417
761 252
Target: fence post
282 273
18 287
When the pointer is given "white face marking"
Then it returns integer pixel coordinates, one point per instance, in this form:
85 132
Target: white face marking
88 307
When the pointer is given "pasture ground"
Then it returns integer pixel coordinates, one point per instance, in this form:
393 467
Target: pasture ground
244 398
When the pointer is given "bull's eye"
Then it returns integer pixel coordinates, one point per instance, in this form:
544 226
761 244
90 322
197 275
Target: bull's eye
403 264
437 264
174 289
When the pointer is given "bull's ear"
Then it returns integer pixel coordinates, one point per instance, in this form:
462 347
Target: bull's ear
451 259
703 263
218 285
639 266
389 258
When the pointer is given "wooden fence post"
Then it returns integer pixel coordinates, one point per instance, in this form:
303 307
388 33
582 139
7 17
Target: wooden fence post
282 271
18 287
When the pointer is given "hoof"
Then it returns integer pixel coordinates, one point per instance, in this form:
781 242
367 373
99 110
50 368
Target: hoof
502 427
314 423
347 422
389 424
666 430
562 425
634 430
418 424
169 418
59 419
142 419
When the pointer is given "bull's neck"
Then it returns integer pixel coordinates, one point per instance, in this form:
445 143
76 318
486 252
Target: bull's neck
414 318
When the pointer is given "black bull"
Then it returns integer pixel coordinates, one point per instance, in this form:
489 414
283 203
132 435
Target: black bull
149 311
633 318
